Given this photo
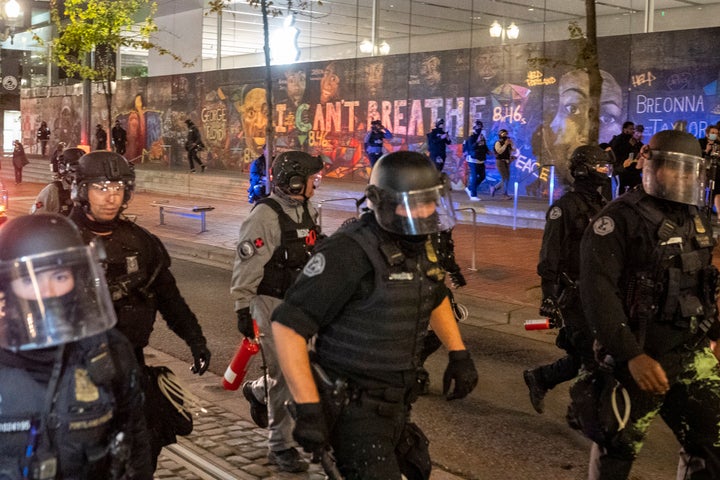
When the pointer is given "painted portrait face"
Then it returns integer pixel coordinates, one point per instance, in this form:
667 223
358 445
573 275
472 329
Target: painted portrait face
329 83
374 74
295 86
569 128
486 66
430 71
253 114
138 102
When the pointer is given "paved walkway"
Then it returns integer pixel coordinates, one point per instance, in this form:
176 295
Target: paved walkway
498 263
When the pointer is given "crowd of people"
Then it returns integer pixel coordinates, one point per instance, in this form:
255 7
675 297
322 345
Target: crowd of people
346 321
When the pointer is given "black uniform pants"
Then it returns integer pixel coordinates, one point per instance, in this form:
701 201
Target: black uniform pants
691 409
193 158
374 157
578 346
365 437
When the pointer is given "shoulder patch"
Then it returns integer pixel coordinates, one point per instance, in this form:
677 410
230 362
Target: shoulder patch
315 266
246 250
555 213
603 226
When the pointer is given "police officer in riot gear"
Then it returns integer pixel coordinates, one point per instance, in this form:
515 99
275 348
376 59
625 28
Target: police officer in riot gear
70 398
648 289
55 197
559 269
275 242
137 265
367 295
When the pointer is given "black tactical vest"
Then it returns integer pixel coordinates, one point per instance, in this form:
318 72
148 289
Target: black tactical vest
671 297
133 260
82 420
384 331
64 200
296 245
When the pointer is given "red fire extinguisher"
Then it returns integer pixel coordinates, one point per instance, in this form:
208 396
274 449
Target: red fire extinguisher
236 371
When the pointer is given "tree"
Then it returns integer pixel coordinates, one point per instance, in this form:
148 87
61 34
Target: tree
587 60
267 8
90 33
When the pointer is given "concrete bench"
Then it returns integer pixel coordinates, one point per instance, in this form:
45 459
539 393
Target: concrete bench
184 211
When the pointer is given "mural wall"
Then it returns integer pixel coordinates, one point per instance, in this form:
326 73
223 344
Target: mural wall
662 80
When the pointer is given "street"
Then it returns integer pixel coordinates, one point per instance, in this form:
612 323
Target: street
492 434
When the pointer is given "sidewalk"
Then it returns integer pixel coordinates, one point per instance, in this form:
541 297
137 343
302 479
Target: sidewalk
498 262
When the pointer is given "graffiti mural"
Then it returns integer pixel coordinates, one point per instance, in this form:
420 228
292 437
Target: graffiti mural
327 107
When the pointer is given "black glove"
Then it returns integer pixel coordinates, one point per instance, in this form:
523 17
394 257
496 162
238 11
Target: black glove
461 369
311 431
548 307
457 279
201 358
245 322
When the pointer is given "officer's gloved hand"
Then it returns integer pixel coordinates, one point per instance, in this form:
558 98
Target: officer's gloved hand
311 431
548 307
245 322
457 279
201 358
461 369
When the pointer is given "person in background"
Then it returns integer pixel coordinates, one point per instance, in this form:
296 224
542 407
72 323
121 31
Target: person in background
56 196
193 146
257 179
43 136
119 138
55 158
100 138
275 241
374 140
475 156
710 146
503 157
437 140
624 151
72 406
19 160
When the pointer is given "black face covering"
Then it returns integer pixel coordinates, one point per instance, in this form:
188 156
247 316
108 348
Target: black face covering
59 313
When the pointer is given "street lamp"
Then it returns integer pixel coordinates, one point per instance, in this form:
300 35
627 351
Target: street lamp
12 9
12 12
367 46
512 32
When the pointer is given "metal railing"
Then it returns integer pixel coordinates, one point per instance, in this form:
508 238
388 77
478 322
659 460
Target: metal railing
473 267
345 199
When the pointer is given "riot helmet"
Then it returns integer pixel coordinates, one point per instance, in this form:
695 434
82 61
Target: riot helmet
52 285
674 169
409 196
101 168
291 170
68 162
591 163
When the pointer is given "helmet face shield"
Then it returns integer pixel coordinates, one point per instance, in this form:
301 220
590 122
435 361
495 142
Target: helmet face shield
53 298
418 212
673 176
